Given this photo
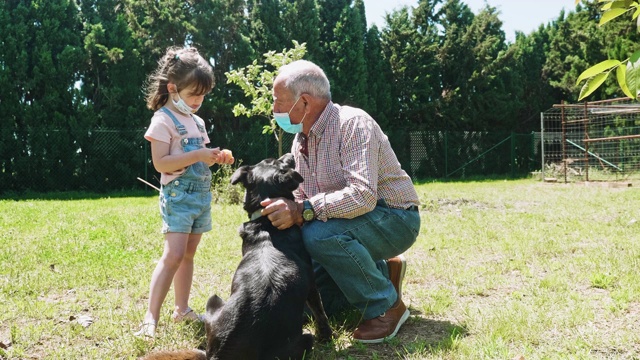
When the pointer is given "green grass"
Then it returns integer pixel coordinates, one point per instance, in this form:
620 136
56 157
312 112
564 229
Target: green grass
501 269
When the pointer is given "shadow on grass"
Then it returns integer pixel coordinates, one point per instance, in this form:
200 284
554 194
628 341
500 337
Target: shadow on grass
75 195
418 337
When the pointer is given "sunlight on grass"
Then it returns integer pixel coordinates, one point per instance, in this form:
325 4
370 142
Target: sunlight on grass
501 269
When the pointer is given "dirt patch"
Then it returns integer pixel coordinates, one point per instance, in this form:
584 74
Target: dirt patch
453 205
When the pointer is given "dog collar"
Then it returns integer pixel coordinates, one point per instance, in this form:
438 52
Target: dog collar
256 214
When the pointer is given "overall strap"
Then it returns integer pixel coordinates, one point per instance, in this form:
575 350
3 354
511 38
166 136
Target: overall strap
181 129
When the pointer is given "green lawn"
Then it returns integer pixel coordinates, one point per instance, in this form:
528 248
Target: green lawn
501 269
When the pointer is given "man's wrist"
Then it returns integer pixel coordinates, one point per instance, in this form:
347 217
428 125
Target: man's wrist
299 210
308 214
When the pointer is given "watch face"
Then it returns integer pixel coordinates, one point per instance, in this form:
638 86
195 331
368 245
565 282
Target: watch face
307 214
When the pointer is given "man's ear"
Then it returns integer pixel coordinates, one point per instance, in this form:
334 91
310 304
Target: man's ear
305 101
242 174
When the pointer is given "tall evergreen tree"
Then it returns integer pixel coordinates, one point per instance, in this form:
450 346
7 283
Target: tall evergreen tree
457 61
491 84
302 23
266 26
115 70
410 44
330 12
350 72
380 103
574 43
533 90
39 67
224 39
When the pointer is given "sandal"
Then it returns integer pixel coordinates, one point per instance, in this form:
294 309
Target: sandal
147 329
188 314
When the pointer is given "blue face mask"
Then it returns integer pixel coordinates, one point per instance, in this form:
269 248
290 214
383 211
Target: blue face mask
284 121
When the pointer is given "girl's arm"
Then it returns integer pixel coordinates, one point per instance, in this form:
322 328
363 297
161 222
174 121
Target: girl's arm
165 163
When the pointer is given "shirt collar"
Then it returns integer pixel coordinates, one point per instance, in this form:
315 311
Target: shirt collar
318 128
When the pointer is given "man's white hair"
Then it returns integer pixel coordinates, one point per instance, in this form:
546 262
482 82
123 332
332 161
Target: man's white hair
305 77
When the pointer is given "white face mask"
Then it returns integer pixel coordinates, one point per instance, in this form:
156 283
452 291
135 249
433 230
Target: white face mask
183 107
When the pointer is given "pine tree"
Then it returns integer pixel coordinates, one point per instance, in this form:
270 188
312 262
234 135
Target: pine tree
266 30
301 20
223 39
350 73
330 12
379 79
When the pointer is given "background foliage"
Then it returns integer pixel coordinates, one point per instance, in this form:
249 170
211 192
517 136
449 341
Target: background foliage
69 69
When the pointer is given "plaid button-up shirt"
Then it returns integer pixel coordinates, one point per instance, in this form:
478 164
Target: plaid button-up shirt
350 166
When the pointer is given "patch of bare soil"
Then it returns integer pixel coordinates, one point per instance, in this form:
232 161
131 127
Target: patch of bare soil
452 205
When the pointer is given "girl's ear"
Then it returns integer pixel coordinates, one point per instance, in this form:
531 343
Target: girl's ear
172 88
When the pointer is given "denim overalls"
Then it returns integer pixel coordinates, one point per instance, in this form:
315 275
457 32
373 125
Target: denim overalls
185 202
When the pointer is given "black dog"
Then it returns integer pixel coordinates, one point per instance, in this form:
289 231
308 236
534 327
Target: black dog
263 317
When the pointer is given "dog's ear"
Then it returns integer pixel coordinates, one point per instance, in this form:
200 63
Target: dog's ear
243 173
288 159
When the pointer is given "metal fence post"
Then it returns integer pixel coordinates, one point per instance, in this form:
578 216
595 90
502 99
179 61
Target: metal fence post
542 144
446 154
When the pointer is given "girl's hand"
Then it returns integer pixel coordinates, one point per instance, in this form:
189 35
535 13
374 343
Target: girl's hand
225 157
209 156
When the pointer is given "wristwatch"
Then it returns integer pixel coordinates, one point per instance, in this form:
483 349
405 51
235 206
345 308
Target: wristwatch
307 213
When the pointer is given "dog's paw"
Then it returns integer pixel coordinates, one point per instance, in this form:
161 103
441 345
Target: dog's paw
324 336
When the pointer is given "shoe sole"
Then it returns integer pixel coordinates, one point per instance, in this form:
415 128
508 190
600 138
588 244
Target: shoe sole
403 318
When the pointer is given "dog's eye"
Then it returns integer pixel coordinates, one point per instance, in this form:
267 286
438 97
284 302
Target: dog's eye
283 171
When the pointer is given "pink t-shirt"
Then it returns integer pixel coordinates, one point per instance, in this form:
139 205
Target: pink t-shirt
163 129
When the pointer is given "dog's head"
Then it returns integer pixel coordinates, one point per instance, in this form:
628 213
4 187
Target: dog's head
269 178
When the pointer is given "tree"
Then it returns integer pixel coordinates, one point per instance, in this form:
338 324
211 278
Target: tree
534 93
256 81
330 12
349 75
224 40
410 45
457 63
493 80
379 79
301 20
267 32
40 58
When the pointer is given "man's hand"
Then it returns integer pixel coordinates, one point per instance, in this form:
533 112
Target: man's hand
283 213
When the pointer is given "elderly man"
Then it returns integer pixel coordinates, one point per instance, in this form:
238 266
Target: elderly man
357 207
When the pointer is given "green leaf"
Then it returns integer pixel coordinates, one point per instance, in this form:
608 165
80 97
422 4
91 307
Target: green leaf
597 69
592 85
633 76
621 74
610 15
621 4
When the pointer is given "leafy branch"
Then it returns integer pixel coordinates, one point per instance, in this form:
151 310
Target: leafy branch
256 81
628 70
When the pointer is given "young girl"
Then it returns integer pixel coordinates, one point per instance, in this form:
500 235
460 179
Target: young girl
178 138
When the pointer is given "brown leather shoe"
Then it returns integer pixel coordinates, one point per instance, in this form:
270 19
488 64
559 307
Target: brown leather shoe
397 267
383 327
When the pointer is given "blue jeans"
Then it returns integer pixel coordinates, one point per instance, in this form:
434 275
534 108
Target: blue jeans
348 257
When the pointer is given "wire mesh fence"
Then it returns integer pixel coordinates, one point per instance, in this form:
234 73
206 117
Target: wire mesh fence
594 141
103 160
